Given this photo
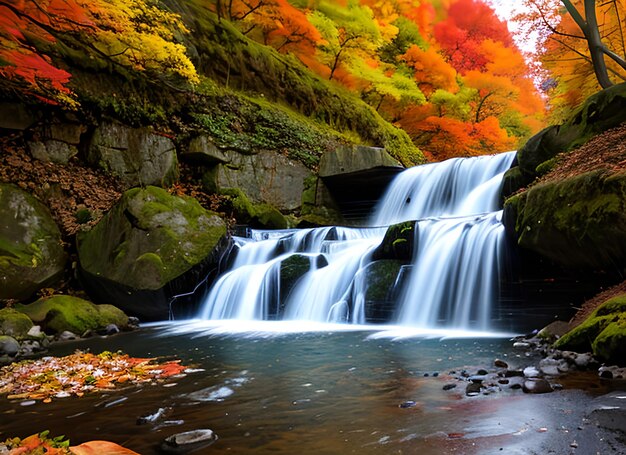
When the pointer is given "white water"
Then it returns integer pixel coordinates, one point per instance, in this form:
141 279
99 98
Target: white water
454 275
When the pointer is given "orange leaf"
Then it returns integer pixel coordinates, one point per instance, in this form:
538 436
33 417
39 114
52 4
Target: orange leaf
101 447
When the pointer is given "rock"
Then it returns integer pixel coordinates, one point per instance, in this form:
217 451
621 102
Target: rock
110 329
188 441
575 222
67 336
398 243
608 411
407 404
52 151
521 345
138 156
267 177
482 372
352 159
536 386
582 360
150 246
500 363
30 347
9 346
549 367
555 329
606 374
379 281
256 215
35 331
600 112
531 372
472 389
513 373
62 313
603 333
14 323
449 386
31 256
201 150
477 378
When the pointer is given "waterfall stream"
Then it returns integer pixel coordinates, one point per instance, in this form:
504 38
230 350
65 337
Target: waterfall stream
319 274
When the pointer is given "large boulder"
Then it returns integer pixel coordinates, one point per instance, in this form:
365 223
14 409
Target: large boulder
356 177
577 222
56 142
31 255
398 243
150 247
267 177
600 112
60 313
138 156
382 290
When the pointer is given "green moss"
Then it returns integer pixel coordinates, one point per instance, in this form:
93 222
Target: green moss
603 332
269 217
14 324
397 243
546 166
576 222
381 278
149 238
61 312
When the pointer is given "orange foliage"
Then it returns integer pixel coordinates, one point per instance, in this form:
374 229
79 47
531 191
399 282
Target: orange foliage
432 72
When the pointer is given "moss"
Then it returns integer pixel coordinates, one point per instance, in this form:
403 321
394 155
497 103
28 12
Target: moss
546 166
397 243
603 332
14 323
576 222
61 312
381 278
149 238
269 217
610 344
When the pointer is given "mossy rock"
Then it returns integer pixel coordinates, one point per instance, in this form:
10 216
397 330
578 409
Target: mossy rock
31 255
603 332
146 248
256 215
292 269
398 243
577 222
600 112
381 277
62 312
14 323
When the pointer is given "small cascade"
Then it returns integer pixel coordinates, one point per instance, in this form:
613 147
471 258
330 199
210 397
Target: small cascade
320 274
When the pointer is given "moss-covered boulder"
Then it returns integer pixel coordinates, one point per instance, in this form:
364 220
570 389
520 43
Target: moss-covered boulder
256 215
398 243
31 255
138 156
14 323
600 112
59 313
577 222
149 247
603 333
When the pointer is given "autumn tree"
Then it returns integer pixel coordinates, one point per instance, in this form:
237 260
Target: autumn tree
131 34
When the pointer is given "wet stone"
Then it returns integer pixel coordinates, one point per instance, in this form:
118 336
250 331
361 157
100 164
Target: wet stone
537 386
188 441
513 373
500 363
531 372
407 404
472 389
449 386
482 372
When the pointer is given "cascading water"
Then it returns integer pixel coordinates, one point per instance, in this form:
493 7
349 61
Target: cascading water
452 279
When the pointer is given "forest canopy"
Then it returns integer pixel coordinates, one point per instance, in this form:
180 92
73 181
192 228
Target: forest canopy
448 72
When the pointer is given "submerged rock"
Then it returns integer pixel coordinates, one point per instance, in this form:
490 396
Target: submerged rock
537 386
149 247
31 255
188 441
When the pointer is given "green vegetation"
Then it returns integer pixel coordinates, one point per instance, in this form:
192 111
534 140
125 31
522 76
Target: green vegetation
603 333
14 324
63 312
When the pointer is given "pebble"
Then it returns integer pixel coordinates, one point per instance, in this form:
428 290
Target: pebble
531 372
35 332
500 363
66 335
449 386
407 404
521 345
472 389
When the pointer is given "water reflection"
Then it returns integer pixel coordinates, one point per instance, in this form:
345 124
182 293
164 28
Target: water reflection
329 392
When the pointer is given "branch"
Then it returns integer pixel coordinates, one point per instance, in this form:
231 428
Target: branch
550 26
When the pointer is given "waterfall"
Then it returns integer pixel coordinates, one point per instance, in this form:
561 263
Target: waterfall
452 279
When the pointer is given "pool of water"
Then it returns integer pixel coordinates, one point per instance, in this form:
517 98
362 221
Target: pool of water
274 389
